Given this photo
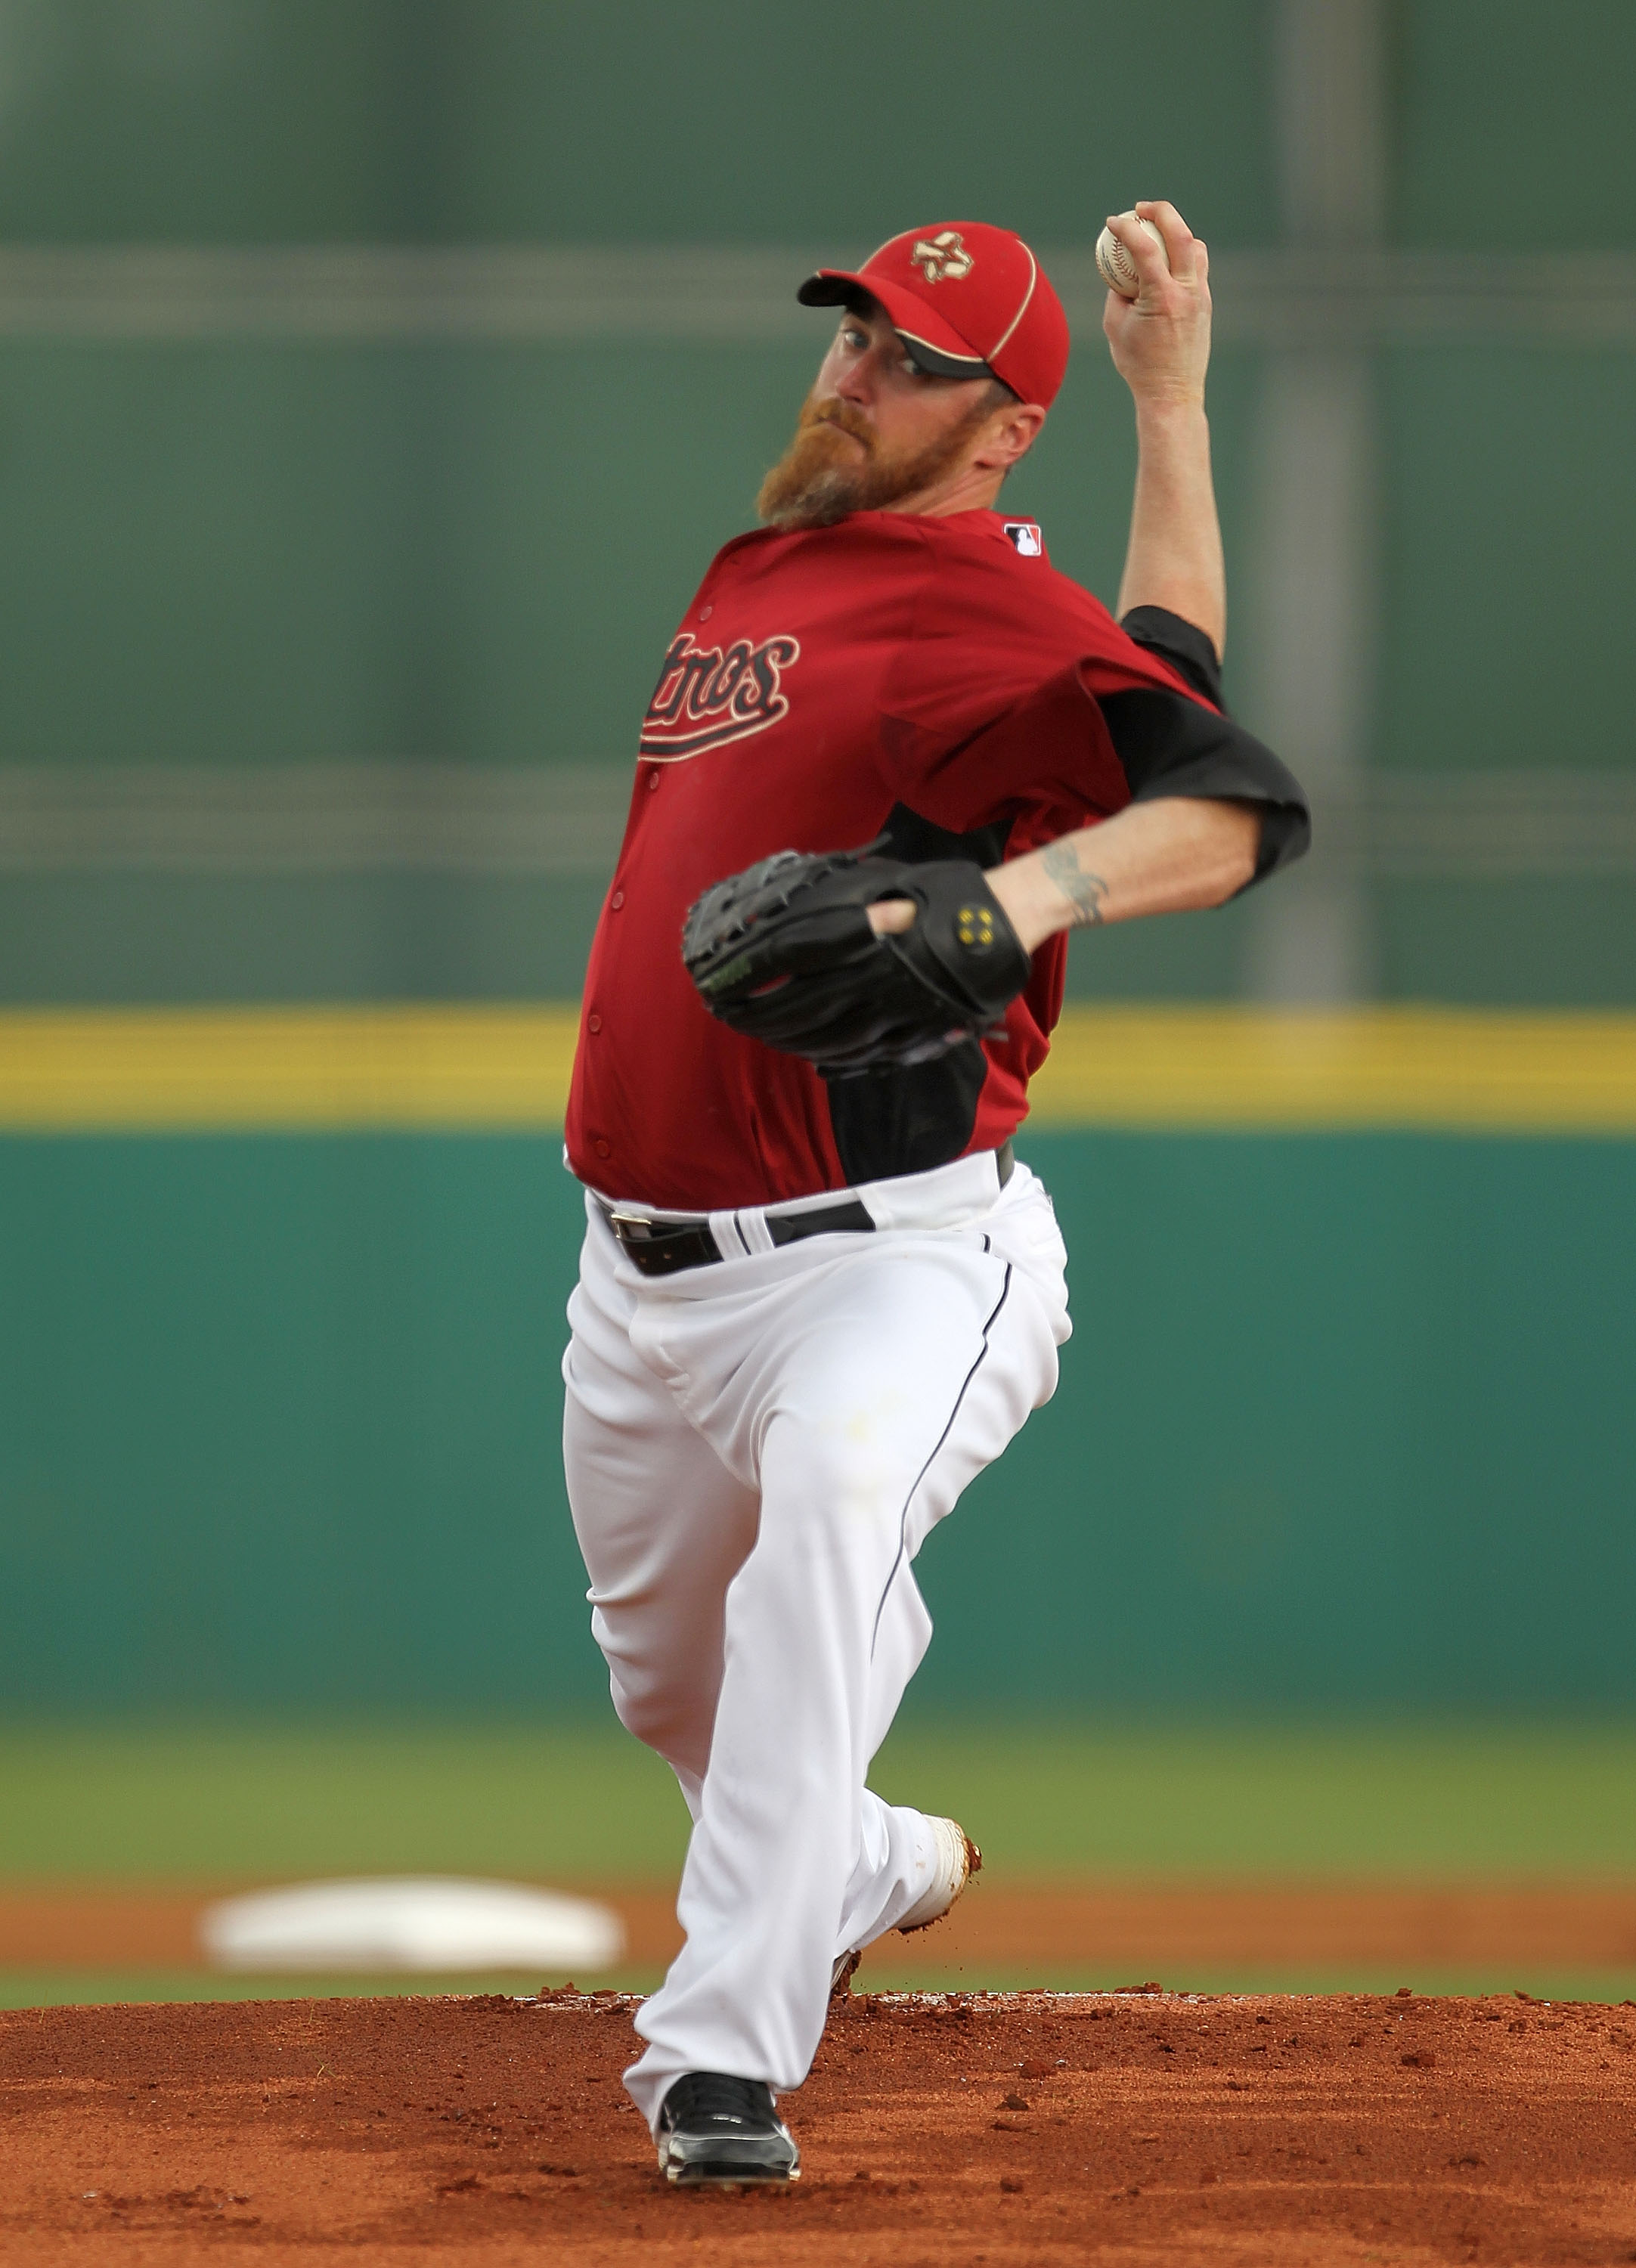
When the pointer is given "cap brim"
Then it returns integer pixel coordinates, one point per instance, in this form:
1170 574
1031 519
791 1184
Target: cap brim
934 345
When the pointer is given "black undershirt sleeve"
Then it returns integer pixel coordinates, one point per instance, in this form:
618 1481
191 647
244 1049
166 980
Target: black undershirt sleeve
1182 643
1167 745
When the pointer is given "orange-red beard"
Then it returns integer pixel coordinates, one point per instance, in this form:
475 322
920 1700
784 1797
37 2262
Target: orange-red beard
835 465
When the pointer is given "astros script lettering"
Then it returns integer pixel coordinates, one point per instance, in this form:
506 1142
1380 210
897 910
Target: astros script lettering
705 697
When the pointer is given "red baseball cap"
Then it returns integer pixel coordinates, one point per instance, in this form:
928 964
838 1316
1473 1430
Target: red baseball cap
967 300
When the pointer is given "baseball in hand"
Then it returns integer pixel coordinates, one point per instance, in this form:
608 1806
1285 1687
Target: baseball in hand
1118 269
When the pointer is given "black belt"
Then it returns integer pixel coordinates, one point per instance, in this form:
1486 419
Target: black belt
657 1247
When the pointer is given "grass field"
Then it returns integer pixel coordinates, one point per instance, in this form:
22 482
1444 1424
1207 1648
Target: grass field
583 1806
578 1804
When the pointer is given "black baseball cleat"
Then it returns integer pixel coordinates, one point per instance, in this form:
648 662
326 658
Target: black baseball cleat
717 2129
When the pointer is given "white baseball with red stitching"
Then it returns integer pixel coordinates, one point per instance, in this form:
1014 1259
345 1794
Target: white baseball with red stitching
1116 267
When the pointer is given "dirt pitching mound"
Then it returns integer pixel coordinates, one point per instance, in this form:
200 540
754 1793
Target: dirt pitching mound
1124 2127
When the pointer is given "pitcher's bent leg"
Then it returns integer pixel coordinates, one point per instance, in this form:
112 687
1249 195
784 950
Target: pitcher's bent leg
909 1375
663 1527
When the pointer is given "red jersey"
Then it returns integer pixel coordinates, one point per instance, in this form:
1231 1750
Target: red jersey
936 678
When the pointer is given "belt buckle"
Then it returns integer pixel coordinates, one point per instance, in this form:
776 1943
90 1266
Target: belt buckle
630 1228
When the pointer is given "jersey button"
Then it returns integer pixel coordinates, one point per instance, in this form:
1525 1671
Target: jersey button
653 779
705 613
617 900
601 1149
594 1023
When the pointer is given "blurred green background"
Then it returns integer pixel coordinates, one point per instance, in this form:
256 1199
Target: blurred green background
298 472
376 379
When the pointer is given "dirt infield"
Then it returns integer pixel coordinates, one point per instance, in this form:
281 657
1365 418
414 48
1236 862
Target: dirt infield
1150 1928
1033 2128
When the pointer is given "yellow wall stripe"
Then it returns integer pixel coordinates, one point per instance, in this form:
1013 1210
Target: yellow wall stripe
307 1069
470 1067
1456 1071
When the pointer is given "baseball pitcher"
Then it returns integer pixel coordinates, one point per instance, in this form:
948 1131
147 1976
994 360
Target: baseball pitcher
892 759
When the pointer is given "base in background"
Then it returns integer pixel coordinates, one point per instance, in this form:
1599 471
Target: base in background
426 1924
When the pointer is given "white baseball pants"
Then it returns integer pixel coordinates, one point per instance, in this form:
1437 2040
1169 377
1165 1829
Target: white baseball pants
755 1451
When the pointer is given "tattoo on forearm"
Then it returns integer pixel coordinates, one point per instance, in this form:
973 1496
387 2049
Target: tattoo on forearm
1084 891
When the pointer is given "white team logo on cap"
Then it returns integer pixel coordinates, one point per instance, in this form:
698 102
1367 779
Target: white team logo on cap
942 259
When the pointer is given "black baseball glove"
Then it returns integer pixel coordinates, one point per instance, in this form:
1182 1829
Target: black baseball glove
783 952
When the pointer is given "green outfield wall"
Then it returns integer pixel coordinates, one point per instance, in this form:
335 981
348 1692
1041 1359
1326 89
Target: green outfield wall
1346 1424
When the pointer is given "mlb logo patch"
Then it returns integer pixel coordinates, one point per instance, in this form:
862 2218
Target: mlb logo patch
1026 537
